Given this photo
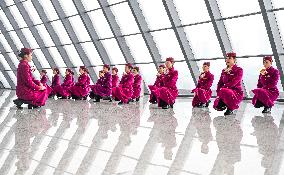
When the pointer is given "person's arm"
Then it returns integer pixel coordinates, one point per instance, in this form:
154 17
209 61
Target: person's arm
259 83
273 79
237 79
26 77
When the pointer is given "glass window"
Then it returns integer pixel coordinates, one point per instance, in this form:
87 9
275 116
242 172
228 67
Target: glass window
278 3
32 12
92 53
12 76
16 40
238 7
56 57
248 35
9 2
5 21
44 35
149 72
49 9
14 58
4 62
114 1
125 20
167 44
61 32
79 28
138 48
30 38
185 80
41 58
203 41
187 11
17 16
251 72
100 23
4 81
155 14
113 51
68 7
73 55
90 4
280 22
5 43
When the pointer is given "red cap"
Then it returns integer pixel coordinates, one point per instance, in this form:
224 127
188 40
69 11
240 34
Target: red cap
84 69
57 70
171 59
269 58
69 70
231 54
207 64
114 68
107 66
26 51
129 65
162 65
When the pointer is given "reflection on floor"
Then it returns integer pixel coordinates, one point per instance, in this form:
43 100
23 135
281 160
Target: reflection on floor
81 137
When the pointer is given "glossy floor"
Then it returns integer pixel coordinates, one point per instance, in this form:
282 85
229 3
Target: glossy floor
81 137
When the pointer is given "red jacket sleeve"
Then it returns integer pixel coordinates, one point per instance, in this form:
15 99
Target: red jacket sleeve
27 77
259 83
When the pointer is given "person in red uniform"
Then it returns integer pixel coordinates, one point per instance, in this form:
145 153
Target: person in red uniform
115 78
82 88
158 83
266 92
103 86
136 84
229 88
55 82
43 77
27 90
167 94
63 90
202 92
124 91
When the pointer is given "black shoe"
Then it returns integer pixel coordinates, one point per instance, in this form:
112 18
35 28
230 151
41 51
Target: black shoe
130 100
201 105
85 98
137 99
97 100
120 103
266 110
258 104
63 97
110 100
92 95
228 112
165 107
51 96
207 104
172 106
30 106
18 103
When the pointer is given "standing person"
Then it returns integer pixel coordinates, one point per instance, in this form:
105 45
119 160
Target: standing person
229 88
27 90
63 91
266 92
202 92
167 94
124 91
55 82
103 86
136 84
158 83
82 88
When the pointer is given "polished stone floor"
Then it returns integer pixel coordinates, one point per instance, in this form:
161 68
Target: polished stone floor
81 137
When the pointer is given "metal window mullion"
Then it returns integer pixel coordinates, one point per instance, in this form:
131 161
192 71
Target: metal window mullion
6 75
8 59
144 29
274 35
122 44
71 33
1 85
220 31
92 32
35 33
53 35
18 32
182 39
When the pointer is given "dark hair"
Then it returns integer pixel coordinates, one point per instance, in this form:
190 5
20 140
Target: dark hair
84 69
101 71
115 69
70 71
56 70
136 68
43 71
